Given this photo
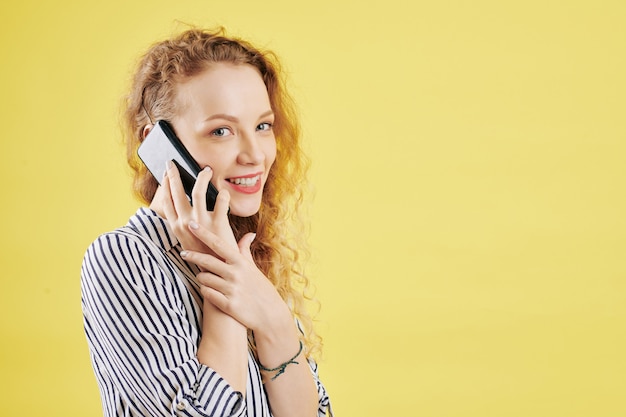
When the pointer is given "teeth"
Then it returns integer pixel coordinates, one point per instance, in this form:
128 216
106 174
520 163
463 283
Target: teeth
246 182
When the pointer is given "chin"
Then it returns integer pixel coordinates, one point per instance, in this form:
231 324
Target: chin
244 209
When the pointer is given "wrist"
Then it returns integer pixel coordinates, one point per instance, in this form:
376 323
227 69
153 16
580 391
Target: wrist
277 343
278 328
280 369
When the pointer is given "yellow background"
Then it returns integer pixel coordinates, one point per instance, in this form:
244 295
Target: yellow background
468 224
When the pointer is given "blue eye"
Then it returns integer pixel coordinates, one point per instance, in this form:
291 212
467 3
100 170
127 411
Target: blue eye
221 132
264 126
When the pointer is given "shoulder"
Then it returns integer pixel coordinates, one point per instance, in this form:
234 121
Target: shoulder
145 236
115 245
121 256
125 269
137 258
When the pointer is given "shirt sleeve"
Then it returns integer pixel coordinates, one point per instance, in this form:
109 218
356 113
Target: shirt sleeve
324 408
142 339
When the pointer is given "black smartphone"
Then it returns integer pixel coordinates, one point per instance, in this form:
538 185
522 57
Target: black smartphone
162 145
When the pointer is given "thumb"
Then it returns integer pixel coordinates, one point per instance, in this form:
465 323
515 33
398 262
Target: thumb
244 245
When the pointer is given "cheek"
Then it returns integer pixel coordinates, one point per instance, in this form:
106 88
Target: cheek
218 160
270 154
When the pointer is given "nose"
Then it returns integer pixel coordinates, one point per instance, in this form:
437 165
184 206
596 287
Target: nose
250 151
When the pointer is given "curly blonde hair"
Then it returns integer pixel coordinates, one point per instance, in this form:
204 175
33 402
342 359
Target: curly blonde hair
280 247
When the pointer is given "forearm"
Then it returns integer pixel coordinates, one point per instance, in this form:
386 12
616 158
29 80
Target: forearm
254 302
224 346
292 393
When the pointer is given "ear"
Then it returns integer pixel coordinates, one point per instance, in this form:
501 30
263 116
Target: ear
146 130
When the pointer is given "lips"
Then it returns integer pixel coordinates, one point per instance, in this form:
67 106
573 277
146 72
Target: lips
247 184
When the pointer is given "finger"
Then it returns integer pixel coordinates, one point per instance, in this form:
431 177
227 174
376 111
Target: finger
181 202
168 204
214 281
244 245
207 263
221 204
198 193
215 297
222 249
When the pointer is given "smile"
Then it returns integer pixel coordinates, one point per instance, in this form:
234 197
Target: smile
245 182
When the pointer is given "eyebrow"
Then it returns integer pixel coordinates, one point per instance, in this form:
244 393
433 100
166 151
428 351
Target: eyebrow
233 118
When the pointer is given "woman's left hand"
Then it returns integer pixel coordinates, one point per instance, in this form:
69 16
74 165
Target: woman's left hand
234 284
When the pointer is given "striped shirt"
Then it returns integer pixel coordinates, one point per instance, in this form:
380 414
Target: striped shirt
142 312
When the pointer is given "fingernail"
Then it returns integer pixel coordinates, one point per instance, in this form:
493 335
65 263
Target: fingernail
253 237
207 168
193 225
184 254
168 165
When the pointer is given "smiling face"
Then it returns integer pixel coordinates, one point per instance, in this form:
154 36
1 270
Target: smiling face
224 118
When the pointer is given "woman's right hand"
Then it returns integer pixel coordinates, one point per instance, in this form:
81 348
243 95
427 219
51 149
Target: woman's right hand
180 213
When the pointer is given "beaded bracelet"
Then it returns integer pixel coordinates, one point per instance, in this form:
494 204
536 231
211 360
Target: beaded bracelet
280 369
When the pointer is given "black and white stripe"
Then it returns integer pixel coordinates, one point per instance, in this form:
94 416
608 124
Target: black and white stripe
142 314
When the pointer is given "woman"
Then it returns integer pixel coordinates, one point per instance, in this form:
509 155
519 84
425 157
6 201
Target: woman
196 312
